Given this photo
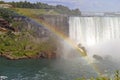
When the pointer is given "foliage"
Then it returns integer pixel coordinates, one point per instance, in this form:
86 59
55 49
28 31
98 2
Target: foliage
34 12
7 14
2 2
117 75
58 8
21 45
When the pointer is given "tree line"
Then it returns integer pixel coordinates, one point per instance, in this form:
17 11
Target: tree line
7 14
38 5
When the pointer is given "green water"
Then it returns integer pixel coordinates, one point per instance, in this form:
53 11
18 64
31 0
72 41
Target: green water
43 69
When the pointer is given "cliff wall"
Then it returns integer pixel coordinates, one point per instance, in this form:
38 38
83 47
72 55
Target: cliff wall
57 22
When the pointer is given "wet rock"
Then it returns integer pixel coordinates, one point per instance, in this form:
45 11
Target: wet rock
97 57
28 48
41 55
82 50
46 55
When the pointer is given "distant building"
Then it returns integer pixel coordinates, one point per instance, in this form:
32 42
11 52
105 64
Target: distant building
112 14
5 6
100 14
92 14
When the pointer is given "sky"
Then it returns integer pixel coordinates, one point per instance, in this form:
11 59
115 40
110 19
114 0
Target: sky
84 5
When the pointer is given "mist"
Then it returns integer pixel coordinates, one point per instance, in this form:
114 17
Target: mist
101 42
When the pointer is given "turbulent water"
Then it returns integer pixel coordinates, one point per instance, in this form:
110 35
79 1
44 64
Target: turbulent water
90 31
61 69
43 69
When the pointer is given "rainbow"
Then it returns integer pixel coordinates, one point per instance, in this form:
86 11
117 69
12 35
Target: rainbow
60 34
67 40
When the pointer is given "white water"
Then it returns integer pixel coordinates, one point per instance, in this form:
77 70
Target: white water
94 30
100 35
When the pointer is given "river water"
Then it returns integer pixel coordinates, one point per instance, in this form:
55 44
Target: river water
43 69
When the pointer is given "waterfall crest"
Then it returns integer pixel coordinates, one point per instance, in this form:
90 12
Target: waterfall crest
94 30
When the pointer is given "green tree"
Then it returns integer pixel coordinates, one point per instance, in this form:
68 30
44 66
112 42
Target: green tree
7 14
117 75
2 2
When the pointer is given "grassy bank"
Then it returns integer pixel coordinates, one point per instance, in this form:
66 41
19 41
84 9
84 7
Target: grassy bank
23 45
33 12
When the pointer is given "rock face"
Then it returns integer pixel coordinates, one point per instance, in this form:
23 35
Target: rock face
38 30
5 26
5 6
58 22
97 57
31 26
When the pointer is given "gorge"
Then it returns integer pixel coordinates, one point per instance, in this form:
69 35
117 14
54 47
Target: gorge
51 41
99 35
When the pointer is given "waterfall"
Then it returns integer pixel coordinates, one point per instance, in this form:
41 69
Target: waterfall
94 30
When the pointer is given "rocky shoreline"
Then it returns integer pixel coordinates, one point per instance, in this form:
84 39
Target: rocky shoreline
41 55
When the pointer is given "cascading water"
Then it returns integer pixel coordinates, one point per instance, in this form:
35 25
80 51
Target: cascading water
99 35
94 30
101 38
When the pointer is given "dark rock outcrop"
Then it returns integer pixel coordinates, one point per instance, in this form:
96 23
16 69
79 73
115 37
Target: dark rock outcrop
45 54
97 57
5 26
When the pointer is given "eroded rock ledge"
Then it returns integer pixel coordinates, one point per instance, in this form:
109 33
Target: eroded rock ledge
41 55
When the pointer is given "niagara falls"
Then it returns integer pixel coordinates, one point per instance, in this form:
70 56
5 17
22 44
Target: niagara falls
59 40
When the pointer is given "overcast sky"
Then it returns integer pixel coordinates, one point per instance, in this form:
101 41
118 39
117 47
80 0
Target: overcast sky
85 5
